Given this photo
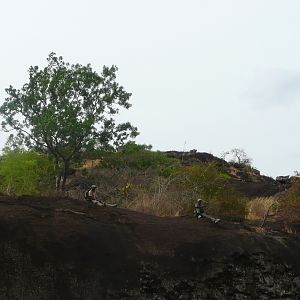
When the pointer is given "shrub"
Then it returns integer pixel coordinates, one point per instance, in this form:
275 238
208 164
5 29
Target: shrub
210 183
177 194
258 207
140 158
25 172
137 178
292 196
205 180
229 205
289 202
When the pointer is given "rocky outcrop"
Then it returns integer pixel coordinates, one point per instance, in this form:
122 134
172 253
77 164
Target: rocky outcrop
245 277
245 179
194 156
257 187
67 249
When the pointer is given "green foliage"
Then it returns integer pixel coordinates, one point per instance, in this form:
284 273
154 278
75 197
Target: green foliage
141 179
132 148
224 175
230 205
292 197
141 158
138 178
65 109
208 182
24 172
205 179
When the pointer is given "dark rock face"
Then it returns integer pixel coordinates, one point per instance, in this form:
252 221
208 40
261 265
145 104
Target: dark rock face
265 187
67 249
283 179
246 277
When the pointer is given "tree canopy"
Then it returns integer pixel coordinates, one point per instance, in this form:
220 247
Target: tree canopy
65 109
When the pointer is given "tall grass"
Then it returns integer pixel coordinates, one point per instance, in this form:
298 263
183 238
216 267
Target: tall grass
260 206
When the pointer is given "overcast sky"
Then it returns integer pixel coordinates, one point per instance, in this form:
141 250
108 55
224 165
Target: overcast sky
205 74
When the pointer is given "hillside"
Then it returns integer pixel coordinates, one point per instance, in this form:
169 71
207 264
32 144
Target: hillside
248 181
58 248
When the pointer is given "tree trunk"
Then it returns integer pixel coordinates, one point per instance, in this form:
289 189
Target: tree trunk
64 175
57 182
58 176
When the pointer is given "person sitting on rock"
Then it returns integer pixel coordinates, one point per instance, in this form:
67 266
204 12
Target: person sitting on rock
90 195
200 213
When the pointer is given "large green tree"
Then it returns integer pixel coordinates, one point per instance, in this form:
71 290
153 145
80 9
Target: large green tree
65 109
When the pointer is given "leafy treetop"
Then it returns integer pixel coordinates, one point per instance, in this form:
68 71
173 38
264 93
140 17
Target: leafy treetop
65 109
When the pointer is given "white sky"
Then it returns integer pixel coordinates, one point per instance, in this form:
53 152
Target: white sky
205 74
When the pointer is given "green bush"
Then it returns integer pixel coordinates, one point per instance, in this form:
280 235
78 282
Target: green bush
205 179
208 182
25 172
230 205
141 158
292 196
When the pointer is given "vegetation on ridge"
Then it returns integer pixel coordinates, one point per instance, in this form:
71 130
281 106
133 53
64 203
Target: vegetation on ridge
65 109
66 114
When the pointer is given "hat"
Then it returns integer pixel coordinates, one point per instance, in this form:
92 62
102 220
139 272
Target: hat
93 186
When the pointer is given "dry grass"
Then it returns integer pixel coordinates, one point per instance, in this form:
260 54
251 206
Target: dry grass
260 230
258 207
289 229
159 206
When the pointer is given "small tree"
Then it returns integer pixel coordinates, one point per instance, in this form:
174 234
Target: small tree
297 173
224 154
240 156
65 109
